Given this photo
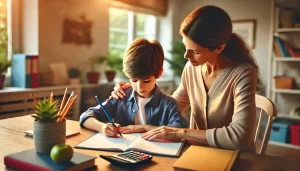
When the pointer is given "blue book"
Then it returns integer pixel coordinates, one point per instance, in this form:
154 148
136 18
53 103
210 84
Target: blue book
30 160
283 51
21 71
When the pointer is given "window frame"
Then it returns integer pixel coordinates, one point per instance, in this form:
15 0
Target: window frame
131 29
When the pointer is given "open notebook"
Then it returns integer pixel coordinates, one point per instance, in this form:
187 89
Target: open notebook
132 142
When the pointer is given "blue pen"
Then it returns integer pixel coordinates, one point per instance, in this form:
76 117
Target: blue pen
107 115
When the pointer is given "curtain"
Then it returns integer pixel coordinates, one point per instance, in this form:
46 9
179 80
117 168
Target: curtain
153 7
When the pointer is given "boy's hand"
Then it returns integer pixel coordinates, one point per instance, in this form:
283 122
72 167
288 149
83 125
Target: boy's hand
110 131
119 90
133 129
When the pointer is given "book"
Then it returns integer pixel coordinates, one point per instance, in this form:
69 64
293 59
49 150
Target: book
132 142
34 71
206 158
21 71
30 160
283 51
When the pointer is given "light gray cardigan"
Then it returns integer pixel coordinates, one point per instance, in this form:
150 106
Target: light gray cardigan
227 111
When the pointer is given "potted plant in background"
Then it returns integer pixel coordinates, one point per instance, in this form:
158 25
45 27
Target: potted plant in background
4 65
177 61
114 64
94 76
47 130
74 75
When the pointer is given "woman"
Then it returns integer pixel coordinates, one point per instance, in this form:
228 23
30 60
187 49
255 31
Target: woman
218 83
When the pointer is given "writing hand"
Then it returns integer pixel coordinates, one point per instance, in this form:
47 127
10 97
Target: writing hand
110 131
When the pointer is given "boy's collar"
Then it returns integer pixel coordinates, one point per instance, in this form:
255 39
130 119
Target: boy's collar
154 101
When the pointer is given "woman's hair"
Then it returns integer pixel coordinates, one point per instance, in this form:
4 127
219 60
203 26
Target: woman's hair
143 58
210 26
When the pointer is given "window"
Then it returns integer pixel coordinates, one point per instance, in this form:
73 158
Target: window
125 26
3 30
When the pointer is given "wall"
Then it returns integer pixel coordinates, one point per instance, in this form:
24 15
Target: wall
51 16
29 25
243 9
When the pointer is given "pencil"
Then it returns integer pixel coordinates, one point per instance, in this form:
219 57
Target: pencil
63 101
33 98
51 97
65 113
106 113
68 101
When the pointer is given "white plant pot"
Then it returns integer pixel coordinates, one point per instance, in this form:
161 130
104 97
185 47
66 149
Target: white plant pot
74 81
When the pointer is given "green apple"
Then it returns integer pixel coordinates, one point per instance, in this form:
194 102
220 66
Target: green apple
61 153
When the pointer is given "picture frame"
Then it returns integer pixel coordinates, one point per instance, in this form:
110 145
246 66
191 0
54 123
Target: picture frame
246 29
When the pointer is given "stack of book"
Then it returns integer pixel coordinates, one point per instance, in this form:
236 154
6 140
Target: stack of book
25 71
283 49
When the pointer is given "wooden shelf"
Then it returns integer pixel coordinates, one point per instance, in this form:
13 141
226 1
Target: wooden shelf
288 91
287 30
284 144
287 59
287 116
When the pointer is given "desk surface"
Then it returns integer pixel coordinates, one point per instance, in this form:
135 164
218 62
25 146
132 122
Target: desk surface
12 140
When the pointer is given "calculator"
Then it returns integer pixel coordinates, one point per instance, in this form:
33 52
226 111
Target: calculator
128 158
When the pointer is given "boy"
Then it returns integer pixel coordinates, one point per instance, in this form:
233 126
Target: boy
145 106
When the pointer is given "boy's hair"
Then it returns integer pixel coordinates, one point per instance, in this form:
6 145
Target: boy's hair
143 58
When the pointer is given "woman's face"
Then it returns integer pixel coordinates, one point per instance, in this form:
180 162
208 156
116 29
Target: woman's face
196 54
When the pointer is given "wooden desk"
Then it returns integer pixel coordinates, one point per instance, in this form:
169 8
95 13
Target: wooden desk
12 140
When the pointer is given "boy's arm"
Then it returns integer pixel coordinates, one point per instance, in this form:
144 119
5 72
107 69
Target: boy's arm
93 124
98 114
175 118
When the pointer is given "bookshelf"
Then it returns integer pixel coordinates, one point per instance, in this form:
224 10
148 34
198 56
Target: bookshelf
287 30
285 61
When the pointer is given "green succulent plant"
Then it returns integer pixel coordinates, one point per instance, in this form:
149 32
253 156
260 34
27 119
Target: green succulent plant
46 111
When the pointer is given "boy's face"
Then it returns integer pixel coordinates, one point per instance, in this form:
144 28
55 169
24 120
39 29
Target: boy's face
143 86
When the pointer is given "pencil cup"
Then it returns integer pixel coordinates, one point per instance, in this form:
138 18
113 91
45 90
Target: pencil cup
48 134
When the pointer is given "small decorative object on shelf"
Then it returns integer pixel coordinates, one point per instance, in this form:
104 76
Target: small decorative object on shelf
284 82
74 76
4 64
49 126
114 64
94 76
295 112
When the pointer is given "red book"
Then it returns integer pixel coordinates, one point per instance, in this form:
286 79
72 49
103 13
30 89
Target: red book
30 160
34 72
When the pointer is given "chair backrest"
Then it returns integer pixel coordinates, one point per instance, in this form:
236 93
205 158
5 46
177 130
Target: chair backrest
266 105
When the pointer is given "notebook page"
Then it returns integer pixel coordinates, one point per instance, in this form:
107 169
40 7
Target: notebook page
159 148
101 142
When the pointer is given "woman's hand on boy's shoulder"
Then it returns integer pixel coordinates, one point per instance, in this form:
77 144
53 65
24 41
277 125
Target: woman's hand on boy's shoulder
118 91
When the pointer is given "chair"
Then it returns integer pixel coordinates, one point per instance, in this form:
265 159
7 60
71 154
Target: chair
269 108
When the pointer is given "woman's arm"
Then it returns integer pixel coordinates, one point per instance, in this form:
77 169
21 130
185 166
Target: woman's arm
239 133
176 134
